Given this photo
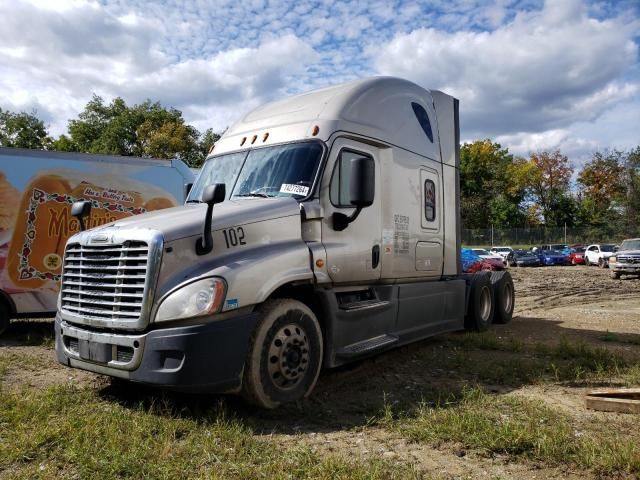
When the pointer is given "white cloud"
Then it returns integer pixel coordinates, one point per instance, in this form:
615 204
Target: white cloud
53 61
542 71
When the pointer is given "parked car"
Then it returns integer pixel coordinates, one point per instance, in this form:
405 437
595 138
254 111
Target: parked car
523 258
472 262
492 258
558 247
552 257
502 251
598 254
576 255
626 261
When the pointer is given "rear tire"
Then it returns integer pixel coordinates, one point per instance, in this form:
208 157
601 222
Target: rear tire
4 317
285 354
504 296
481 304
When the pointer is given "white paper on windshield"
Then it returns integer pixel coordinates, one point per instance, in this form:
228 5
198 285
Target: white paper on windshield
295 189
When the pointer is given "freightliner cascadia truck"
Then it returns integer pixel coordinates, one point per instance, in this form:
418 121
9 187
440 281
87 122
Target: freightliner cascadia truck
322 229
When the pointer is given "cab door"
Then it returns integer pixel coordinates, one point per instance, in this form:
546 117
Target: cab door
353 254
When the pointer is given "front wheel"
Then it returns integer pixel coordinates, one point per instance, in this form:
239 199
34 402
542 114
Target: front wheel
285 354
601 263
586 261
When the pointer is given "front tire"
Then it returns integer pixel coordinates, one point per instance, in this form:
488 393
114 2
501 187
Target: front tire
601 263
285 354
587 262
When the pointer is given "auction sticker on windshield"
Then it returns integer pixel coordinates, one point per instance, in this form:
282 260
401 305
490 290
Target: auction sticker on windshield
295 189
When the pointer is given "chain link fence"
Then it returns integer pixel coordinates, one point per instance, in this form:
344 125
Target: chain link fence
543 235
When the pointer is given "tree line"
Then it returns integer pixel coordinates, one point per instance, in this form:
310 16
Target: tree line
545 189
497 188
144 130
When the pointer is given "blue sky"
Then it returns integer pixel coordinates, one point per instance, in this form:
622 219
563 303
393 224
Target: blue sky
529 74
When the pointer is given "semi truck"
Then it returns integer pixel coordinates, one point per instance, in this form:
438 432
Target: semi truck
322 229
37 190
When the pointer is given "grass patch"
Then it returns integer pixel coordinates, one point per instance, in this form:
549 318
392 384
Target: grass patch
486 341
613 337
516 427
72 432
487 358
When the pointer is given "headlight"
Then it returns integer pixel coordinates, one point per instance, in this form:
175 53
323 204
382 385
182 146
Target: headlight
202 297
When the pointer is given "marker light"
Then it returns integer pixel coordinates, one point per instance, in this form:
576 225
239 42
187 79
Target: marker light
244 139
265 136
315 131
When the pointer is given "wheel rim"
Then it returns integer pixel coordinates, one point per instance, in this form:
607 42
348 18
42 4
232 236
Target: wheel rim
288 358
485 304
507 301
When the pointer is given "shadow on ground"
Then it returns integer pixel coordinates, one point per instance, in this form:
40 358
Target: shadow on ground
429 371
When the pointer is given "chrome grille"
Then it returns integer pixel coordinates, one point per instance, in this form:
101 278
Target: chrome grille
105 282
632 258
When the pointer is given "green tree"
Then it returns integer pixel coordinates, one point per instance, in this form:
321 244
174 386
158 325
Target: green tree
22 130
547 179
490 192
602 189
144 130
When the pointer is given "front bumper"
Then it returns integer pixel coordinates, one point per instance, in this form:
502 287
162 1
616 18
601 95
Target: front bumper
625 267
207 357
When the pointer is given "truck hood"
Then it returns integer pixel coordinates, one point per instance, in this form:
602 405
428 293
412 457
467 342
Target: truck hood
627 252
188 220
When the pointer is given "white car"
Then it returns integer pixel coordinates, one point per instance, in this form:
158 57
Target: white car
484 254
598 254
504 252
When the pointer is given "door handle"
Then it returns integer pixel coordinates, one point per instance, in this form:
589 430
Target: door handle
375 256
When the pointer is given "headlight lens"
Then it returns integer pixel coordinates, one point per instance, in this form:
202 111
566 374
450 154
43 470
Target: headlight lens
202 297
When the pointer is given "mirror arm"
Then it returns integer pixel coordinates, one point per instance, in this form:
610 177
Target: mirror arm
204 244
341 221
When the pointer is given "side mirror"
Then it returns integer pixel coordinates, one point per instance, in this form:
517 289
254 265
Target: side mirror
211 195
80 210
362 182
215 193
362 191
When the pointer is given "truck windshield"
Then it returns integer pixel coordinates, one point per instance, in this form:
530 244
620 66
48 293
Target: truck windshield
278 171
630 245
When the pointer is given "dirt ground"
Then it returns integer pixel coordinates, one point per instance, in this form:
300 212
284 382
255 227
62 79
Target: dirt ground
577 303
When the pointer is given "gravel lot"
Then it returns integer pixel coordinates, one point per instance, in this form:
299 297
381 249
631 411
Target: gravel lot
575 305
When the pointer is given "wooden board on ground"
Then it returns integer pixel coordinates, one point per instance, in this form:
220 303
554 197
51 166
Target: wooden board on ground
621 400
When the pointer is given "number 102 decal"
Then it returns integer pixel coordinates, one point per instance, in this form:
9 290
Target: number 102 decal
234 236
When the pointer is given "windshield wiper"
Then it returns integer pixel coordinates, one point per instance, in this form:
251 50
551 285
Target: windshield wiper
254 194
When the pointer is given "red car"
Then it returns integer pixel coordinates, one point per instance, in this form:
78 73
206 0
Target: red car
576 257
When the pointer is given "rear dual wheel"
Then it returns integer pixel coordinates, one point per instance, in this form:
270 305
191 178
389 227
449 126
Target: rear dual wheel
491 300
285 354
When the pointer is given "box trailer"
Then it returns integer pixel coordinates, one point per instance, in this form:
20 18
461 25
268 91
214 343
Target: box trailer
322 228
37 189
